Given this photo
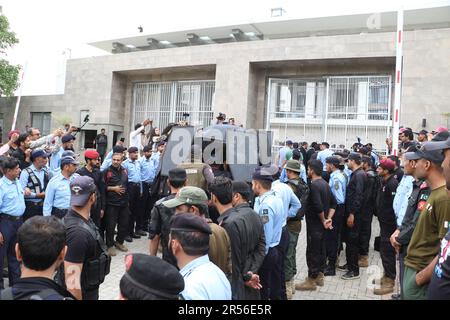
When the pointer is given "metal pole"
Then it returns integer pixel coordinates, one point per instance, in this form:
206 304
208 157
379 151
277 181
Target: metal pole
398 82
16 111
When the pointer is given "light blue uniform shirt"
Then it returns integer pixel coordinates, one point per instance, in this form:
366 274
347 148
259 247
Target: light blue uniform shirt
156 156
24 175
203 280
323 155
134 171
282 155
338 186
148 169
57 193
291 203
55 161
375 158
284 178
270 208
400 204
12 201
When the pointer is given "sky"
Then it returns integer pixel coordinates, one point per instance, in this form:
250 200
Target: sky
52 31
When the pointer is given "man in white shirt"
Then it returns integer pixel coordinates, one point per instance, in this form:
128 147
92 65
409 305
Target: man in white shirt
135 136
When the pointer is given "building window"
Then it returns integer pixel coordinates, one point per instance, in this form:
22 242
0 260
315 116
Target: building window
41 121
166 102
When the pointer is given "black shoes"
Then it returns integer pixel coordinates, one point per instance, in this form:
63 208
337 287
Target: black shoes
330 271
141 233
135 236
343 268
350 275
128 239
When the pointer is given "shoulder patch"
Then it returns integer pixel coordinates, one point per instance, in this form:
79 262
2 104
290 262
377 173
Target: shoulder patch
265 216
421 205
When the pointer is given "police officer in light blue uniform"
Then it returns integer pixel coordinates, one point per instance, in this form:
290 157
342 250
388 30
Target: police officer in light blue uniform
57 196
12 207
203 280
338 186
133 167
148 172
55 160
271 211
401 198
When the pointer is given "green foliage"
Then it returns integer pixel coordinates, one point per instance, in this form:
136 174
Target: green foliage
9 74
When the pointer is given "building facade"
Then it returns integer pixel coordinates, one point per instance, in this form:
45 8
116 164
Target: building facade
306 80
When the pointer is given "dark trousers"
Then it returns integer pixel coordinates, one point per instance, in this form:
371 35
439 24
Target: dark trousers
119 216
90 295
387 251
315 248
59 213
8 228
333 236
270 275
351 236
146 205
135 203
401 262
32 209
365 232
283 247
95 215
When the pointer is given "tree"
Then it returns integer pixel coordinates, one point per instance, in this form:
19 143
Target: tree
9 74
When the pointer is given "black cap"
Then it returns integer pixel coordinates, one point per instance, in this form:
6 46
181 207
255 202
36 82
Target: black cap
425 132
189 222
147 148
354 156
39 153
177 174
333 160
426 152
439 145
81 189
67 138
441 136
118 149
153 275
132 149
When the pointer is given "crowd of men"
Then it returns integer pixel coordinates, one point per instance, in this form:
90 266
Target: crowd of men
61 223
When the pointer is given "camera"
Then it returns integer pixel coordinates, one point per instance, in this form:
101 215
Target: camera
186 115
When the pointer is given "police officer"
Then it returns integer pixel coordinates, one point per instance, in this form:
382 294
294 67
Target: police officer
338 186
133 167
370 198
57 196
271 211
255 241
402 236
354 206
388 225
86 263
34 181
12 207
91 170
159 228
148 171
294 224
41 248
189 243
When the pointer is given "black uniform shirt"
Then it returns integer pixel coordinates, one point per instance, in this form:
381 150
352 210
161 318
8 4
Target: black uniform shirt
116 177
97 176
439 288
81 246
385 200
24 288
320 200
354 197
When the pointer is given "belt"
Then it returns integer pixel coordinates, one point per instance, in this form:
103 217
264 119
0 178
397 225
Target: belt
9 217
134 183
39 204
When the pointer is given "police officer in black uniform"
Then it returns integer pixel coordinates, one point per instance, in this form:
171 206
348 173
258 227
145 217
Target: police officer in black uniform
159 229
354 206
86 263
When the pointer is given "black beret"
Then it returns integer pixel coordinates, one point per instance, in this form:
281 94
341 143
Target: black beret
354 156
118 149
153 275
147 148
332 160
132 149
189 222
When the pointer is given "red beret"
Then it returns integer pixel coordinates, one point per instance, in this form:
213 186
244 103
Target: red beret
91 154
387 164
